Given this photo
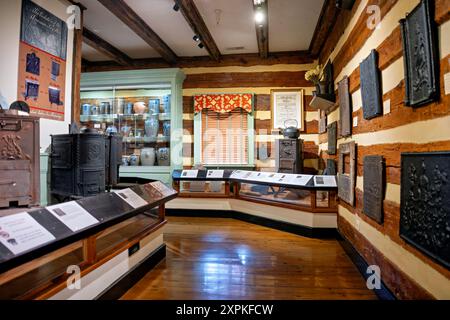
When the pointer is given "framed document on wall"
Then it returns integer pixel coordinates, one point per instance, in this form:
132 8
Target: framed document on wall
287 105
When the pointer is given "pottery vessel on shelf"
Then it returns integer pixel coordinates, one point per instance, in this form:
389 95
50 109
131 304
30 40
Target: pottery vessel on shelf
163 155
139 107
152 127
86 109
139 133
119 106
166 128
166 103
148 156
94 110
105 108
153 106
129 108
111 129
134 160
125 130
125 161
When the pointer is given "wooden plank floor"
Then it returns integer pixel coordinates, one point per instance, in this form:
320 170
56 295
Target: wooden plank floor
228 259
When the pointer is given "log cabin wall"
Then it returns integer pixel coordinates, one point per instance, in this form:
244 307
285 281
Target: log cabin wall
258 80
407 272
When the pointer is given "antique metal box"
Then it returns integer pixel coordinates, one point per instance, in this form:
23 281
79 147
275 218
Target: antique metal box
113 159
425 203
19 160
289 155
78 165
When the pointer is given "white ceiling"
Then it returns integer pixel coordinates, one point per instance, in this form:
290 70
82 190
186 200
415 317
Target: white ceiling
291 26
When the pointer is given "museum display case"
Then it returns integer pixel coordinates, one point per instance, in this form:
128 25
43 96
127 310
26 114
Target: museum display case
144 107
85 234
295 191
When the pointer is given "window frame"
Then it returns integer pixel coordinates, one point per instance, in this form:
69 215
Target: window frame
198 142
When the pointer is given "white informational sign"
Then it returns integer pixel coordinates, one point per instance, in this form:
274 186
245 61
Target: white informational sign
325 181
300 179
20 233
189 174
240 174
215 173
74 216
131 197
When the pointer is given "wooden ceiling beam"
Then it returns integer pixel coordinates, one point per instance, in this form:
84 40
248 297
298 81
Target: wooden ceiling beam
262 29
130 18
327 20
106 48
245 60
194 19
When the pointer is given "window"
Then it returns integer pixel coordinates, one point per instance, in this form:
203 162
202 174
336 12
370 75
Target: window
224 138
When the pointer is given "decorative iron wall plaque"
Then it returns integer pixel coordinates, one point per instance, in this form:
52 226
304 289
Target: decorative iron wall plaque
420 55
322 121
330 170
370 86
345 108
346 181
425 203
332 138
374 187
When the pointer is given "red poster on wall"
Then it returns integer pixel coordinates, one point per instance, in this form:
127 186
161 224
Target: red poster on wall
42 62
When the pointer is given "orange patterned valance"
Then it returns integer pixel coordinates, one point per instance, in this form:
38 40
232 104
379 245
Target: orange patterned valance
223 103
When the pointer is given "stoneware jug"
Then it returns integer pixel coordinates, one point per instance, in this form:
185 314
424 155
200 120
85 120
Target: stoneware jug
166 128
129 108
163 156
86 109
134 160
152 127
153 106
148 156
166 102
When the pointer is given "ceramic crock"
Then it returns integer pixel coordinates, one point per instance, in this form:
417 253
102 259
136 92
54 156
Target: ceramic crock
148 156
152 127
119 106
129 108
163 155
153 106
134 160
166 103
86 109
166 128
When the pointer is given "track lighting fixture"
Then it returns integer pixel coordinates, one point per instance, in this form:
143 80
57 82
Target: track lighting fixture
196 38
200 45
176 7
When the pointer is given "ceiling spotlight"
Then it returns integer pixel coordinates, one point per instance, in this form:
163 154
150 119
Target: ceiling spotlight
196 38
259 15
200 45
176 7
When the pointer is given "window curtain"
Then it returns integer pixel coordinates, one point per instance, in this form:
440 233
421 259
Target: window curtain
223 103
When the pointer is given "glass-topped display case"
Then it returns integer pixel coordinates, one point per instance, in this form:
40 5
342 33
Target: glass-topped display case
145 107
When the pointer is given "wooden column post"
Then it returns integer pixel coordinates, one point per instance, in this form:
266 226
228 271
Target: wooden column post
76 67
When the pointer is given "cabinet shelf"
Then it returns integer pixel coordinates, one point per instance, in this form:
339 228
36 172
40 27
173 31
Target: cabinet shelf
159 139
112 117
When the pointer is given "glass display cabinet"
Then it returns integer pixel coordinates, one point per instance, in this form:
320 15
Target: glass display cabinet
145 107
